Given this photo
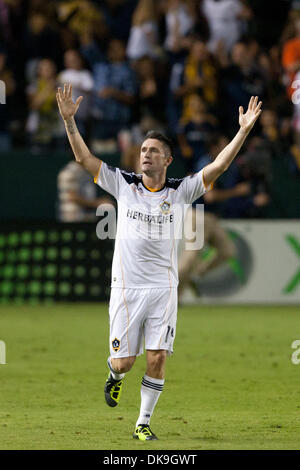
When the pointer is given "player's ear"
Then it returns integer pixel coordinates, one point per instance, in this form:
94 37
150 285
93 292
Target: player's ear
169 160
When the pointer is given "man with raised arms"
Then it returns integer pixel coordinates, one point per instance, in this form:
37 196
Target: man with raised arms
143 301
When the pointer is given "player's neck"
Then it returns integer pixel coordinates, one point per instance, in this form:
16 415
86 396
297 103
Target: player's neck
155 182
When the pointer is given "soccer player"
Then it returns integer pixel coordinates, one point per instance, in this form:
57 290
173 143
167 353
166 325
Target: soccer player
143 302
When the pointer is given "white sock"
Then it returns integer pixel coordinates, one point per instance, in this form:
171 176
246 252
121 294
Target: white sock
150 391
114 374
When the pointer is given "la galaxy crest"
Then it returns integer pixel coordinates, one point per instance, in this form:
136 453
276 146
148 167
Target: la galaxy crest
165 207
115 344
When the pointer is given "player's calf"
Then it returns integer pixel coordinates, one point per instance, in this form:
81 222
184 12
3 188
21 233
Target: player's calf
156 362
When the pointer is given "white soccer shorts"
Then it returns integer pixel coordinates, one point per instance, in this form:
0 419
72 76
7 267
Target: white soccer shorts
142 315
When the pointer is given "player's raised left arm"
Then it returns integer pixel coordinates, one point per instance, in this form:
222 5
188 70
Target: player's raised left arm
246 120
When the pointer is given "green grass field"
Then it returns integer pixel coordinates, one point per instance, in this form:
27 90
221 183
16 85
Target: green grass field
229 385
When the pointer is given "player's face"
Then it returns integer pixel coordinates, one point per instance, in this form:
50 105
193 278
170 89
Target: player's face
153 158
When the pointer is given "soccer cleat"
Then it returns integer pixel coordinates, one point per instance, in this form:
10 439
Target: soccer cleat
144 433
112 391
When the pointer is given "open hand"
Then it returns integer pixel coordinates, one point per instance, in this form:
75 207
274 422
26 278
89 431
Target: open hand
67 107
253 112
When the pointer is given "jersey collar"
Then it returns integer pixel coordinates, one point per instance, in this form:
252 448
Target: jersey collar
152 190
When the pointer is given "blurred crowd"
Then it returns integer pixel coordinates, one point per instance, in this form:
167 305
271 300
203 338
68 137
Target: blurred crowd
182 66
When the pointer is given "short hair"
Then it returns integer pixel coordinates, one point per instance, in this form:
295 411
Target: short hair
162 138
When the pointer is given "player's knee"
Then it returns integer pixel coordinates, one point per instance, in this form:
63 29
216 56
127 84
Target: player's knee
122 364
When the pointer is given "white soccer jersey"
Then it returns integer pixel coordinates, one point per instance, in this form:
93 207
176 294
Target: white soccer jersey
149 226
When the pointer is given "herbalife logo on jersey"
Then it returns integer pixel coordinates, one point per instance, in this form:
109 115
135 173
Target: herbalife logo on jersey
2 92
150 218
150 221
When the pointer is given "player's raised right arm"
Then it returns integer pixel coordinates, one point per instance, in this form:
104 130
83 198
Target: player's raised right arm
68 109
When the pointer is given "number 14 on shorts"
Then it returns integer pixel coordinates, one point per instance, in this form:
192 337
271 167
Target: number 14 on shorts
170 331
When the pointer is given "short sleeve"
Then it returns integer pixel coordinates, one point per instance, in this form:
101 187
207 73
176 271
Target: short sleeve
108 179
193 187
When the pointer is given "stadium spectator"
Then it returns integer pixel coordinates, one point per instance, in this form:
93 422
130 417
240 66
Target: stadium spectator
291 56
240 79
226 19
180 22
40 40
79 20
269 62
81 15
82 83
242 191
194 130
151 89
78 195
117 15
6 76
197 74
278 135
43 124
90 49
276 131
143 38
201 26
269 126
114 96
255 167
